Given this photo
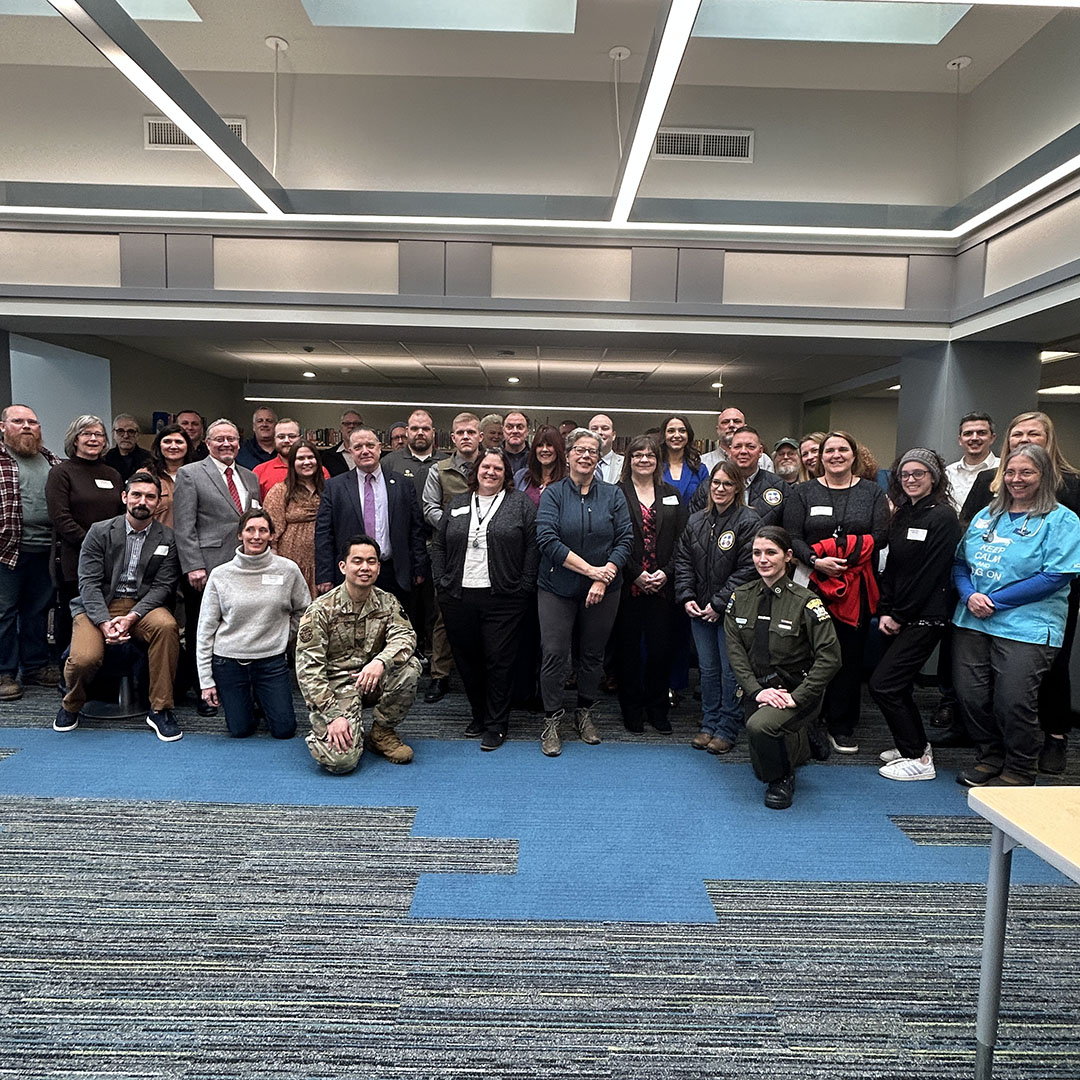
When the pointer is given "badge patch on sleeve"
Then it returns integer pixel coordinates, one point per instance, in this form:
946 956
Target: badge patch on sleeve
773 496
306 634
726 540
818 609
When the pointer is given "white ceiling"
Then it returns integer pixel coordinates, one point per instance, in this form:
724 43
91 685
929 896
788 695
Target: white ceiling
231 38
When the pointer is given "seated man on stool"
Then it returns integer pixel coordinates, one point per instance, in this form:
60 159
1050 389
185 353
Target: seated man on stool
128 571
355 648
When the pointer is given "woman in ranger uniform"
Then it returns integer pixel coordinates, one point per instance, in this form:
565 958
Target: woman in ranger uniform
783 650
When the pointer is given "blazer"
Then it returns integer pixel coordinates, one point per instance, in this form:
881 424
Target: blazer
341 516
101 563
671 515
205 518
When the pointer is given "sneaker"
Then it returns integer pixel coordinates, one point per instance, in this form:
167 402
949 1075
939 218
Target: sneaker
10 690
780 793
164 724
492 740
550 742
1010 780
977 775
660 723
475 729
843 744
65 721
894 755
719 745
908 769
583 721
384 740
701 740
1052 758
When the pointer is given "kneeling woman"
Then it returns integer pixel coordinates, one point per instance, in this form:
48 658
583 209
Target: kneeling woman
783 650
251 606
484 561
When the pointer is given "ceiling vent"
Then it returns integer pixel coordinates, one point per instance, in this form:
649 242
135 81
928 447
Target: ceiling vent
703 144
635 375
162 134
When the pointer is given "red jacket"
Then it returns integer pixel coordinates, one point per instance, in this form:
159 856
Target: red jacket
843 594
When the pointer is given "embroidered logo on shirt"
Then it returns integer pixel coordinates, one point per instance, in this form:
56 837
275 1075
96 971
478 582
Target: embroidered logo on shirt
774 496
726 540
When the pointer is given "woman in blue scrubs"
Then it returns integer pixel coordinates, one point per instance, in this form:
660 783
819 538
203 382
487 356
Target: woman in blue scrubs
1013 571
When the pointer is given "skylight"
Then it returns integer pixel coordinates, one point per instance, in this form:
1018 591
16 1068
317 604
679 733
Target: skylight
147 10
516 16
828 20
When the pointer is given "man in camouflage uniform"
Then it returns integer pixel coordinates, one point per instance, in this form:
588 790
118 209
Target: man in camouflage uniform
355 648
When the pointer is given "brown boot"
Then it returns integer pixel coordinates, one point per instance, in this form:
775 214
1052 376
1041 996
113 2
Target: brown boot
384 740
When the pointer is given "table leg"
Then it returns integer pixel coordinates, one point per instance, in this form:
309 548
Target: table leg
993 954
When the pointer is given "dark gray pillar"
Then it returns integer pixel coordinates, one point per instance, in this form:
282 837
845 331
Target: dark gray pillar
940 384
5 368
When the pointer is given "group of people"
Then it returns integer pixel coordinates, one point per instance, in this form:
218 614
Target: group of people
534 564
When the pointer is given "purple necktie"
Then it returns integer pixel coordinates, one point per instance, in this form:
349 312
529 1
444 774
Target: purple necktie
369 504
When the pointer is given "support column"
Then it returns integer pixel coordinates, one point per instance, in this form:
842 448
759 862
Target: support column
5 369
941 384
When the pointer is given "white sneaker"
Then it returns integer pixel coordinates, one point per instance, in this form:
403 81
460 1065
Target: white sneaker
908 769
894 755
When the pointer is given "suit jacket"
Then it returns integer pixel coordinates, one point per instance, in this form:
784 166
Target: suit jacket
341 516
205 518
671 517
334 462
101 563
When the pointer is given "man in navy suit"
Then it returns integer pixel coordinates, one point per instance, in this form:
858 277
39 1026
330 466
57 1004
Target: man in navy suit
373 500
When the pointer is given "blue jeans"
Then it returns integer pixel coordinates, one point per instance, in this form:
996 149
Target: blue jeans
26 591
240 683
720 712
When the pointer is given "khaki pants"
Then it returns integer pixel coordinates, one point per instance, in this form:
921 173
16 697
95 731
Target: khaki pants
392 699
156 629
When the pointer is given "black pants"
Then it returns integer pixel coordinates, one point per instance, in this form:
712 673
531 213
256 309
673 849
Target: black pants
421 609
893 680
483 631
843 698
1056 715
644 641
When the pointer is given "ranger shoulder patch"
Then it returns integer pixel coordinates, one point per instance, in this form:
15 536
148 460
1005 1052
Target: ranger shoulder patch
817 609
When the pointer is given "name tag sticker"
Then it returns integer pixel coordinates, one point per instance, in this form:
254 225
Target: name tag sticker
916 534
458 511
671 500
273 579
161 549
821 511
106 484
255 505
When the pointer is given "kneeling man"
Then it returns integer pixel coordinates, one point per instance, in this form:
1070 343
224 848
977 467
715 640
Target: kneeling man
128 572
355 648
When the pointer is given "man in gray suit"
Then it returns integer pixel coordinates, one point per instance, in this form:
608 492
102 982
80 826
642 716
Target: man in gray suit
210 498
128 572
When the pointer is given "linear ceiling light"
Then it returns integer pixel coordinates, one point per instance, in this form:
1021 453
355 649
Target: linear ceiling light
419 401
1003 3
665 57
120 40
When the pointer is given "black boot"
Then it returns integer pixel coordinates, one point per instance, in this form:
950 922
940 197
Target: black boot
780 793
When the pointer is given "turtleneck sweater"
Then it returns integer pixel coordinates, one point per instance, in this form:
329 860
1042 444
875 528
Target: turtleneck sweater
250 607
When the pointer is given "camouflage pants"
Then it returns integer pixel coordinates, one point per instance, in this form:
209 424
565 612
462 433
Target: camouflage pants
392 700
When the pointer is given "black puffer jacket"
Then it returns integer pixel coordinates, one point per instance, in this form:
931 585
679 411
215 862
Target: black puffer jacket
713 556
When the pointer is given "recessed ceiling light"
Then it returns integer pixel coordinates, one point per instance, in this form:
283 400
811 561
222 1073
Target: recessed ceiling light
512 378
309 374
717 385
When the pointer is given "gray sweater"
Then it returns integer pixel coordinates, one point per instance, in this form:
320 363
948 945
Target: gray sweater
250 608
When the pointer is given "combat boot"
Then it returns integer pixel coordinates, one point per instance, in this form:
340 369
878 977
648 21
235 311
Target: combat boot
384 740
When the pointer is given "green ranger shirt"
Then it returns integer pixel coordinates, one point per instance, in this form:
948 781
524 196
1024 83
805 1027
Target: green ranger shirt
803 650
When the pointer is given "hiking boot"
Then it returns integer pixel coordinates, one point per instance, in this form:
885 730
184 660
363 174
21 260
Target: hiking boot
701 740
384 740
10 690
550 742
583 721
719 745
46 676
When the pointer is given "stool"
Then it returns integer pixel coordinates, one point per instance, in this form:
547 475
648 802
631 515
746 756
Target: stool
118 690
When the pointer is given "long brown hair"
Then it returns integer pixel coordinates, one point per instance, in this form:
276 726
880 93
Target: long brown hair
292 481
691 455
546 435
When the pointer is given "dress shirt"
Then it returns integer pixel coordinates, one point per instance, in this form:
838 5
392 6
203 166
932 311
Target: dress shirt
382 523
961 477
245 495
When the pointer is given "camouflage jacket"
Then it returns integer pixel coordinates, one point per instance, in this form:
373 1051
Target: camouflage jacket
336 639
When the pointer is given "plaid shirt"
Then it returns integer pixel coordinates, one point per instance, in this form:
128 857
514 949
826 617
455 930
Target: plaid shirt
11 505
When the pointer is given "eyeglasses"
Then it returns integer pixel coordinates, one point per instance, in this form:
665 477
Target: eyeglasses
93 434
1025 474
644 455
915 474
585 451
126 431
722 483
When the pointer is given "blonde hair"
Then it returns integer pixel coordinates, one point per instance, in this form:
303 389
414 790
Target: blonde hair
1053 451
